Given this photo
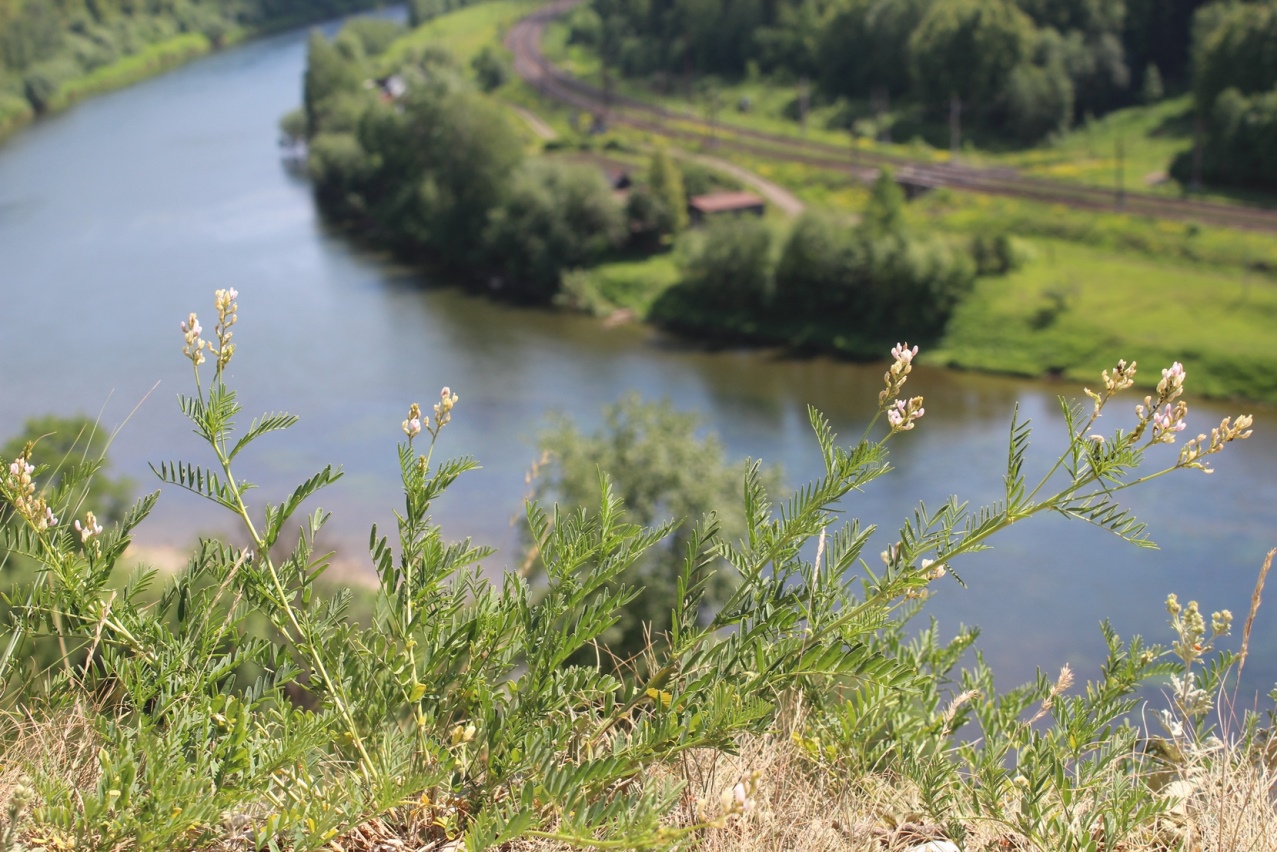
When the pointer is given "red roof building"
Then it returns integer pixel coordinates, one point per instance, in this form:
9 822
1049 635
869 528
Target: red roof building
719 203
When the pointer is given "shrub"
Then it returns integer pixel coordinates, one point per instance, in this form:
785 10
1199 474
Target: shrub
998 254
556 216
728 264
490 68
819 268
648 217
39 88
665 181
585 27
374 34
879 278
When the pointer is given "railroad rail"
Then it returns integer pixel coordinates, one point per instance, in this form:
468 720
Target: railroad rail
530 63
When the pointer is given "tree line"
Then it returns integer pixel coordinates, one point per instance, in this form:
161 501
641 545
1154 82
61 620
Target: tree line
46 43
1234 96
1020 68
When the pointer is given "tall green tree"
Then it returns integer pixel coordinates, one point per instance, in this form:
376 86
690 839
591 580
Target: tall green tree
665 181
864 47
556 216
663 466
329 75
965 50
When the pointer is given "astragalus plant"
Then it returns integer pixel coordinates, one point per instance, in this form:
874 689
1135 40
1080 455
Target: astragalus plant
453 714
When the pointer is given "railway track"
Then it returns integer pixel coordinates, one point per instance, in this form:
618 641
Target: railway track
530 63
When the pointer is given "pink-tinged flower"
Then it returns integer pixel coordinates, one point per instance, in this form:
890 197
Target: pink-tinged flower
412 426
50 518
902 352
1167 421
1172 382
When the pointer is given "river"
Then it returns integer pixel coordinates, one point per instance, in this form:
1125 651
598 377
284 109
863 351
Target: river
120 216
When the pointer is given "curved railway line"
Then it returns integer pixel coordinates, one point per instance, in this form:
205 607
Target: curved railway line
524 41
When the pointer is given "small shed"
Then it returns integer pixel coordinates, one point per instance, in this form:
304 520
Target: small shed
700 207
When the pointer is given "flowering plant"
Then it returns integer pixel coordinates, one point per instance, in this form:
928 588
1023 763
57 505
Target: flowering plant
452 710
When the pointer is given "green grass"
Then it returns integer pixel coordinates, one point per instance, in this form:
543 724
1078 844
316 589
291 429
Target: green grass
1199 245
15 111
1076 309
147 62
1152 136
635 284
464 32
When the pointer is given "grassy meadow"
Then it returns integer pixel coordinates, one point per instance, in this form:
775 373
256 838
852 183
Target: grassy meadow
463 32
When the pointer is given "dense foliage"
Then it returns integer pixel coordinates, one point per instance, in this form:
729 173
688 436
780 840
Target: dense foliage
1235 95
1020 67
424 162
46 44
872 280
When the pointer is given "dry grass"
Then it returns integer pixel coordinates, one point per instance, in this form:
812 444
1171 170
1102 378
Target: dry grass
1231 807
1228 800
63 746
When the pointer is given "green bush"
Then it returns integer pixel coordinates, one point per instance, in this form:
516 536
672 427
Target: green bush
491 68
728 264
556 216
649 219
374 34
878 279
998 253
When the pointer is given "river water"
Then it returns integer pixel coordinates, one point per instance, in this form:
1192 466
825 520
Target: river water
120 216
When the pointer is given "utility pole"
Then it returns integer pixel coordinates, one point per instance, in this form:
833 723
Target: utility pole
955 127
1120 144
804 102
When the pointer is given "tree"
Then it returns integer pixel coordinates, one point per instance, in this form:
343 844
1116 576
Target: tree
885 212
1152 91
72 451
328 75
1233 49
729 266
965 50
818 268
490 68
666 184
437 168
557 216
864 47
662 469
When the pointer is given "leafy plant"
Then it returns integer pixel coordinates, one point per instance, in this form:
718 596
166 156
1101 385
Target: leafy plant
459 712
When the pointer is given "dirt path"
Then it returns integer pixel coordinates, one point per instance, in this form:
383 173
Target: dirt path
539 127
775 193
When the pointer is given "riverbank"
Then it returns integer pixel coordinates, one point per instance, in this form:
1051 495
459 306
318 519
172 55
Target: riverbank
148 61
